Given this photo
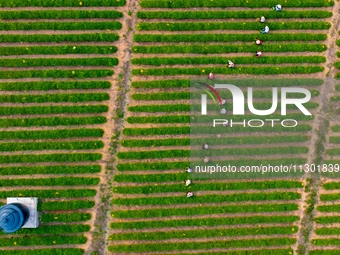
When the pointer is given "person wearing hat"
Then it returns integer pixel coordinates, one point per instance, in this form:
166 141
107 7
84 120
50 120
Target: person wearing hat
265 30
190 194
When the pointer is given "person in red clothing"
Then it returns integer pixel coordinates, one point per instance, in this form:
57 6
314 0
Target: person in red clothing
258 42
258 54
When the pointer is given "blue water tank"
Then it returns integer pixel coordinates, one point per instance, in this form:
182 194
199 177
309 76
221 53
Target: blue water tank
13 217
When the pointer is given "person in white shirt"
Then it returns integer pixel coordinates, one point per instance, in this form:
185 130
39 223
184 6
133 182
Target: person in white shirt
190 194
262 19
230 64
258 54
188 169
205 146
187 183
265 30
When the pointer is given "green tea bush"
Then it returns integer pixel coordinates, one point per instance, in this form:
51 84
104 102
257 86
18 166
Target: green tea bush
93 37
79 14
61 229
50 134
59 251
204 210
17 62
80 74
227 37
38 25
50 193
53 85
65 217
57 50
55 98
58 169
224 61
42 240
74 157
239 82
78 109
239 197
51 122
61 3
223 49
268 70
230 3
201 130
199 26
33 146
62 181
179 15
65 205
152 247
208 233
150 189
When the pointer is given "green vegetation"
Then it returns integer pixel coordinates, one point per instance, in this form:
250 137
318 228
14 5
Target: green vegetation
326 242
53 121
199 26
78 14
220 152
238 82
41 240
67 205
209 186
61 3
186 130
51 193
202 221
152 247
59 251
93 37
58 169
62 181
53 109
65 217
331 185
60 25
216 49
61 229
50 134
227 37
208 233
240 197
183 164
215 141
82 145
328 208
179 15
268 70
74 157
220 60
55 85
55 98
57 50
77 73
231 3
17 62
